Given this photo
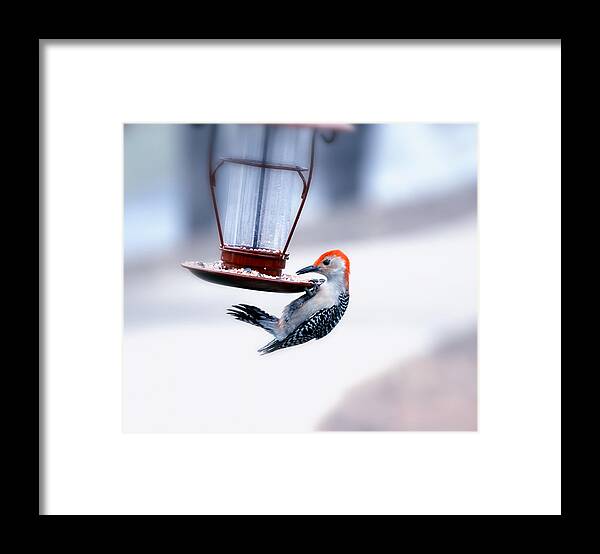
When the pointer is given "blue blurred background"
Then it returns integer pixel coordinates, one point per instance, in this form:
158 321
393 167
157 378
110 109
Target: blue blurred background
399 199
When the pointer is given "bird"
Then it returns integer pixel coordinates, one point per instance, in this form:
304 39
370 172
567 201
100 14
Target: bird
311 316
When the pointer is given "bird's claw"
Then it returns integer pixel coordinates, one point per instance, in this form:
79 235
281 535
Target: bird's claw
316 284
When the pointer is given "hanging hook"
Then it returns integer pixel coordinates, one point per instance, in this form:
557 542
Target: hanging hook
329 139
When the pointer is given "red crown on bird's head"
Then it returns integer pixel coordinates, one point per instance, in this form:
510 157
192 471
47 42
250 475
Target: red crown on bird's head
342 256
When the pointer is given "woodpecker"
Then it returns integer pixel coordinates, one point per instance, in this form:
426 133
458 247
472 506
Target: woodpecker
311 316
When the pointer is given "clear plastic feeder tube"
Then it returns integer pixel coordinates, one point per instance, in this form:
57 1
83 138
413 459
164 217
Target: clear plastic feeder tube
260 188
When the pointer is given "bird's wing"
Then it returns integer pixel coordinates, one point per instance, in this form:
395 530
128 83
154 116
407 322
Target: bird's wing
254 316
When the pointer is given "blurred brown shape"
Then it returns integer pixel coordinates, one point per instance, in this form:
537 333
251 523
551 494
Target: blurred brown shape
435 393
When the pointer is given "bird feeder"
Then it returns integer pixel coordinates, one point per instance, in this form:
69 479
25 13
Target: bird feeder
259 184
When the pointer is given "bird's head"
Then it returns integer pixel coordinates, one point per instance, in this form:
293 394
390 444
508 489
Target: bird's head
334 264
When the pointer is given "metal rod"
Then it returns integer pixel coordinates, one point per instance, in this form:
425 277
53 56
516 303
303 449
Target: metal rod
212 181
261 187
268 165
305 191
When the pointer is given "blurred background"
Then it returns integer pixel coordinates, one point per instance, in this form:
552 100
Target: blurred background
400 200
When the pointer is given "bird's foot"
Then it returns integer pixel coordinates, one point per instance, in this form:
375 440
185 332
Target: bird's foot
316 284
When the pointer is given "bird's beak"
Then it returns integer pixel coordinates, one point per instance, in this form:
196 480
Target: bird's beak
307 269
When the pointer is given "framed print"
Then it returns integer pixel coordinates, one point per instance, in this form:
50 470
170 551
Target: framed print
300 277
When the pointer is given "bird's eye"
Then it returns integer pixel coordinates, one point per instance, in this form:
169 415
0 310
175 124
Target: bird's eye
326 262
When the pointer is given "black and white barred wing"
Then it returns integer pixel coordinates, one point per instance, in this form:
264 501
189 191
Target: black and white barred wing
318 326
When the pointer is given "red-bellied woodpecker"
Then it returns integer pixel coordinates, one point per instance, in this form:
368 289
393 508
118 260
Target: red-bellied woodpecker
314 314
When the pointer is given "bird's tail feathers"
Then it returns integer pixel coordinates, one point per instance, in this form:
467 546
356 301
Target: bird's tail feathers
254 316
275 344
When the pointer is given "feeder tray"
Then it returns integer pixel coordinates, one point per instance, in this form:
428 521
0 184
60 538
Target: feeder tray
249 280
